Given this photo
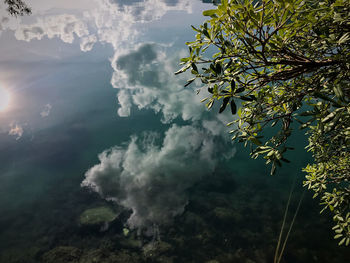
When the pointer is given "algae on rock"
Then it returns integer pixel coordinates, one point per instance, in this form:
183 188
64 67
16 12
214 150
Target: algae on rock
98 215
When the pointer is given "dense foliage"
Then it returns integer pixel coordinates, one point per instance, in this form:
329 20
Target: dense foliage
17 7
279 62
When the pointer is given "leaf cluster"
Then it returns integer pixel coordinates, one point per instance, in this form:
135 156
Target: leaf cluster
17 8
277 62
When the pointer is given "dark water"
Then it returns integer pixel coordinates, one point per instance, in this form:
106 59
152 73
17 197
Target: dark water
191 207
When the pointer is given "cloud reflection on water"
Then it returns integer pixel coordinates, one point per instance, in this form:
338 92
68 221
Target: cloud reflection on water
150 179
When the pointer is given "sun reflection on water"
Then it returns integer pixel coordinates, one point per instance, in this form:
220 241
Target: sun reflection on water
4 99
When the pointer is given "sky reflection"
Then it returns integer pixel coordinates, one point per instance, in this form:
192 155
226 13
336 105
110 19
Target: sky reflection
97 114
59 65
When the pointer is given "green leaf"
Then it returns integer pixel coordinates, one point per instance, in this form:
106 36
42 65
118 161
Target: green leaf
183 69
246 98
205 32
233 107
239 90
274 123
344 38
210 104
273 169
213 68
233 84
307 113
255 141
285 160
195 29
338 92
184 59
342 241
218 68
224 104
189 81
194 67
211 12
329 117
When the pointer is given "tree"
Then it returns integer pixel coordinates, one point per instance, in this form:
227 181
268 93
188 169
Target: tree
17 7
279 62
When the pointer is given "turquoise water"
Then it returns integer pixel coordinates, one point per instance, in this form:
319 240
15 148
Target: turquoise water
106 70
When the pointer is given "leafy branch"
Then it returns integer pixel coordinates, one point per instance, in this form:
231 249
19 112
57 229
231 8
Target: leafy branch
279 62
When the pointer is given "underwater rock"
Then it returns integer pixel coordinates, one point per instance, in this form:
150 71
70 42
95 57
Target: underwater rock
130 241
224 214
98 216
260 255
127 257
75 255
19 255
219 182
225 257
156 249
62 255
205 237
164 259
105 256
192 223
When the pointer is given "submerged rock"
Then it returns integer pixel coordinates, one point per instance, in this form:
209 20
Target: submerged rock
97 216
102 256
62 255
155 249
224 214
20 254
130 241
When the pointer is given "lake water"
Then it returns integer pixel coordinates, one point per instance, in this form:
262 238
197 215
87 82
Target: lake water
106 157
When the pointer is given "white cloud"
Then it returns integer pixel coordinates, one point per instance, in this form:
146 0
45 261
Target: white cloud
145 78
148 10
40 6
118 23
147 75
6 20
151 180
60 26
88 42
46 111
3 22
125 104
16 130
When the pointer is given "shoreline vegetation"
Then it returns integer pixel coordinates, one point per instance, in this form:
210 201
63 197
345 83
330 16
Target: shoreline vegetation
278 63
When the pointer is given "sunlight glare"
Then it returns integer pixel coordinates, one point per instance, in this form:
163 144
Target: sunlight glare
4 99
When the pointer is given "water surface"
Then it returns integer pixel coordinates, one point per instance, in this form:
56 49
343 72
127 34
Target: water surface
98 119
